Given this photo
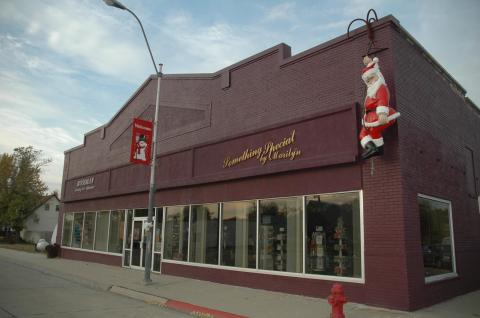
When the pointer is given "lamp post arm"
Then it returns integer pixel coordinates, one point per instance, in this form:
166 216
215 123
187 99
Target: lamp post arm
146 41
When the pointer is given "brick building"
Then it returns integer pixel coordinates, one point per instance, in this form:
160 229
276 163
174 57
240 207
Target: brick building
260 185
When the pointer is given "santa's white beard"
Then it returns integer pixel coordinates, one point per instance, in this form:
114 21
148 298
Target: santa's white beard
373 88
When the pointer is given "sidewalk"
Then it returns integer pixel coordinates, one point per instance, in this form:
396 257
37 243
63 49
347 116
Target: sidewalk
207 299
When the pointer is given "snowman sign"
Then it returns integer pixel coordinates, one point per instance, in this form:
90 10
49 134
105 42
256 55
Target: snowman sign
140 151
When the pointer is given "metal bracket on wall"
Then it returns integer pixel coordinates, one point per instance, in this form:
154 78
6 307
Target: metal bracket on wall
372 166
371 48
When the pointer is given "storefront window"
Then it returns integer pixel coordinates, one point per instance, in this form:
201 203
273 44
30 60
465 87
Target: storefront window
332 235
280 235
77 230
436 235
204 234
129 229
239 234
101 231
176 233
157 240
117 223
67 229
158 231
88 230
141 213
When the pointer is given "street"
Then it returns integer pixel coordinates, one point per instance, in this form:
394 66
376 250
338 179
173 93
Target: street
27 292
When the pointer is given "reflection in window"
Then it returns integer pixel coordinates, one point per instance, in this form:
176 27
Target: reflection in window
176 233
128 242
436 236
67 229
101 231
333 234
158 231
77 230
115 240
141 213
204 234
280 235
88 230
239 232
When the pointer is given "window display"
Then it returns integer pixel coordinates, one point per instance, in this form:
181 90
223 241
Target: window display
77 230
157 247
89 230
438 257
115 239
67 229
280 235
176 233
239 232
332 235
204 234
101 231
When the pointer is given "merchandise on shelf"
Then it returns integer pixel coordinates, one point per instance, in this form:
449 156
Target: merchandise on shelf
317 250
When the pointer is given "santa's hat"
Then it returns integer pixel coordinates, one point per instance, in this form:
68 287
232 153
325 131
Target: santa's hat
371 69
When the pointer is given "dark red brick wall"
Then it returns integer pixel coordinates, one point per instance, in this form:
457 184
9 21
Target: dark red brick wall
436 125
423 155
91 257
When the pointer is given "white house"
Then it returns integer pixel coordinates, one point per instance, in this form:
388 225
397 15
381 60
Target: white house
42 221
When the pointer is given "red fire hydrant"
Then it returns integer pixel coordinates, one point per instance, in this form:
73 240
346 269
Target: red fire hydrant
337 299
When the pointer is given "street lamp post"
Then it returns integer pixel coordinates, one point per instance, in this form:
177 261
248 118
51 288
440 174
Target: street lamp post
151 194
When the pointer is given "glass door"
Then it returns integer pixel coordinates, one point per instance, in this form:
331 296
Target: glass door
139 243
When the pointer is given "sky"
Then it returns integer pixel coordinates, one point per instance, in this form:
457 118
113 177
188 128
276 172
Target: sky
66 67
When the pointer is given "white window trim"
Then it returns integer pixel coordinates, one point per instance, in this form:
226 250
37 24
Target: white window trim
453 274
83 229
164 212
90 251
124 234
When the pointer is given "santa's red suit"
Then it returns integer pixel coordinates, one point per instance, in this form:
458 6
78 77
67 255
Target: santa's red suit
376 102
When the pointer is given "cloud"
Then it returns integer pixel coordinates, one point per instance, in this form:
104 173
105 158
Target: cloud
207 48
108 44
18 129
283 11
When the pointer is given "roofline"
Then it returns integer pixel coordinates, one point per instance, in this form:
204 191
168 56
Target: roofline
287 59
283 48
45 199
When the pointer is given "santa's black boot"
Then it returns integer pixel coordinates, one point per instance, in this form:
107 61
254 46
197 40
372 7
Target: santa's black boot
371 150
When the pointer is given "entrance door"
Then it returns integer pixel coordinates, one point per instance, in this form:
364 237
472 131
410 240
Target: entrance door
139 243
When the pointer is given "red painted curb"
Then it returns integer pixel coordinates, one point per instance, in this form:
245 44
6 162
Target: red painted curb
199 310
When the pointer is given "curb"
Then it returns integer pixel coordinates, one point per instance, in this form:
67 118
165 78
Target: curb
188 308
199 311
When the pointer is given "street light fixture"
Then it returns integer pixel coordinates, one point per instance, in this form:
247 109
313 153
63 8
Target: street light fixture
151 194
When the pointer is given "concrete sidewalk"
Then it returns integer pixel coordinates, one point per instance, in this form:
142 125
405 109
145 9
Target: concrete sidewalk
207 299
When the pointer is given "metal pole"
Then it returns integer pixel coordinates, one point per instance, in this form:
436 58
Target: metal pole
151 194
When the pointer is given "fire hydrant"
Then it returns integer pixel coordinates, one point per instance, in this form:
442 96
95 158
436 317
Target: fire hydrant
336 300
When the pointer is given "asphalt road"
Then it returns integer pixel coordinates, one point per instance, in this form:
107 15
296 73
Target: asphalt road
27 292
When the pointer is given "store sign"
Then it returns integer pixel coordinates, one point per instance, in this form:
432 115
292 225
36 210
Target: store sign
140 150
85 184
271 151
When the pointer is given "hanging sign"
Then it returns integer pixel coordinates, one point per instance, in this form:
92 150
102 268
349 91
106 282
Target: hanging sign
140 151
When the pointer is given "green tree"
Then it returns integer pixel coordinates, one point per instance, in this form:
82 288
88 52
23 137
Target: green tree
21 188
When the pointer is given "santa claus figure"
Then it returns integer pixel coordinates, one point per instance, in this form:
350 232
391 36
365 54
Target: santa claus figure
378 113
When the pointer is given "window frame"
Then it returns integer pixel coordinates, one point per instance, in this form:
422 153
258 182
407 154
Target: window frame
359 280
453 274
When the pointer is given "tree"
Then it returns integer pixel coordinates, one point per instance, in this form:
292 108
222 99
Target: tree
21 188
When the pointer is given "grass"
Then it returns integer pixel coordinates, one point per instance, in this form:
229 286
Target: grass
24 247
